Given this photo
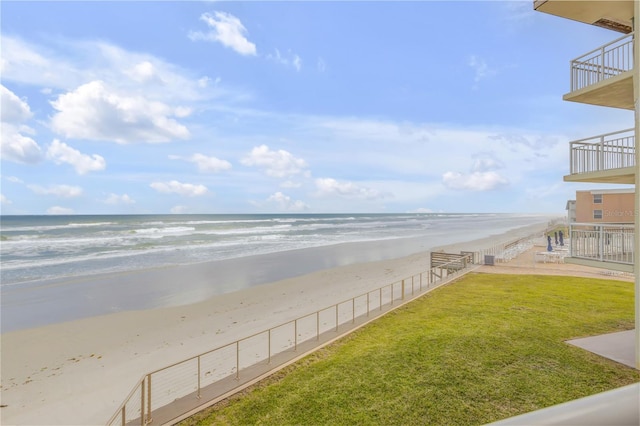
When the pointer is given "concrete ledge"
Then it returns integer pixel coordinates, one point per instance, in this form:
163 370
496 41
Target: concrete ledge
615 407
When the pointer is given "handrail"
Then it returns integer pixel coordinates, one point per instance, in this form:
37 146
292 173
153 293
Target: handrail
603 242
606 154
604 135
141 404
608 60
604 46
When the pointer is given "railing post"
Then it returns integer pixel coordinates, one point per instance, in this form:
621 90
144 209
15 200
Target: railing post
368 304
402 296
602 63
571 153
142 403
392 294
353 310
198 395
124 414
601 155
237 359
149 419
572 72
601 242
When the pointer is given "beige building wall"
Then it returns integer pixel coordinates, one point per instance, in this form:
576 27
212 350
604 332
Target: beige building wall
605 206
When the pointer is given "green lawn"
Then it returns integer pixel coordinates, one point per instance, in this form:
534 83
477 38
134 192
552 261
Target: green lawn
484 348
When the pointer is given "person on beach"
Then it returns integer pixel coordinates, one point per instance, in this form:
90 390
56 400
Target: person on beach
561 236
549 248
555 234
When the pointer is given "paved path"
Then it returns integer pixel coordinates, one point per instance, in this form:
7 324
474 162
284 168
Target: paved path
526 263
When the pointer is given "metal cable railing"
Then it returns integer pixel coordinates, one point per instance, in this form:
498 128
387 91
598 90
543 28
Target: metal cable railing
165 394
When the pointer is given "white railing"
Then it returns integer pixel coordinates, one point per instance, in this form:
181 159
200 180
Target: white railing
604 242
615 407
607 61
604 152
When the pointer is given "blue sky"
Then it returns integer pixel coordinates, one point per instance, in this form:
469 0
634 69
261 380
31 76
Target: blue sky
310 107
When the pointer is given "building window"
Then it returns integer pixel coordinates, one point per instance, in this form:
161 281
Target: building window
597 214
597 198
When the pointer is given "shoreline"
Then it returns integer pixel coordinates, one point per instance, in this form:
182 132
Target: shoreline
40 303
91 364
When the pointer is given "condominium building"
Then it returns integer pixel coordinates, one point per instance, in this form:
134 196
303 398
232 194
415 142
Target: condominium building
607 76
605 206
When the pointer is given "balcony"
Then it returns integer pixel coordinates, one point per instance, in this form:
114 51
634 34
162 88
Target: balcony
604 76
607 158
611 14
602 245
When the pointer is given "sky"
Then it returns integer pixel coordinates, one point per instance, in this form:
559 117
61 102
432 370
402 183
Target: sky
290 107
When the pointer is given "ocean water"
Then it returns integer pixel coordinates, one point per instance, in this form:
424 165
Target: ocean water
51 247
63 268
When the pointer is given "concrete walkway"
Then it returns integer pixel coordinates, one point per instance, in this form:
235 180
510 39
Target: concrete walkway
619 347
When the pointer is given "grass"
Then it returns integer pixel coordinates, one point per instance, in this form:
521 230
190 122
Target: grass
485 348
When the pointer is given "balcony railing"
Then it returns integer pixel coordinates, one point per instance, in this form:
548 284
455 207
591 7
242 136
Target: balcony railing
604 152
604 242
607 61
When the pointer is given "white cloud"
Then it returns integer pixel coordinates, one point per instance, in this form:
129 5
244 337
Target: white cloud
285 202
24 63
175 187
516 152
115 199
59 210
290 184
93 111
14 179
227 30
481 69
321 65
4 200
329 186
291 60
143 72
54 66
60 152
475 181
12 108
486 164
205 163
64 191
277 164
15 146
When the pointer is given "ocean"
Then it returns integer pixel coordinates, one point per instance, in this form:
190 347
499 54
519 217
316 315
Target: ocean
56 268
49 247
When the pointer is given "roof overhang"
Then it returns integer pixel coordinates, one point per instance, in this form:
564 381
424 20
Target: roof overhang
615 15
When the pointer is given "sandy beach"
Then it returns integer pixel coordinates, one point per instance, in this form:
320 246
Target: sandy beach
79 372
